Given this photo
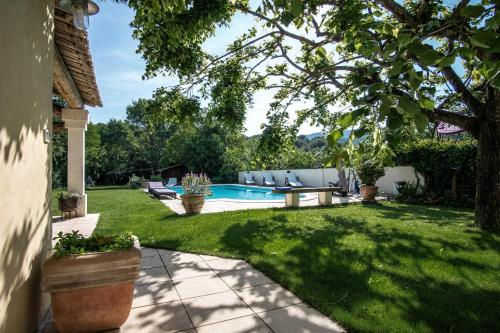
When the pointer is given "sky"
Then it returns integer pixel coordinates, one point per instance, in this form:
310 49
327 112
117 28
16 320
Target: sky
119 69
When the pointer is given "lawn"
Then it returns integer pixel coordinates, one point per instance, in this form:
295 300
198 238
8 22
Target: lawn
374 268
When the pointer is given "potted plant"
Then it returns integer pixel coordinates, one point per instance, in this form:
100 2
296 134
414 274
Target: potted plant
369 170
196 187
68 201
91 281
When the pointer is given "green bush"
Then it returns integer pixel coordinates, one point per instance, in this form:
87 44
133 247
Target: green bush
156 178
74 243
409 192
440 162
135 182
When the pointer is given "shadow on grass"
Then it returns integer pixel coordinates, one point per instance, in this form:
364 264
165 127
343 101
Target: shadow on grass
375 278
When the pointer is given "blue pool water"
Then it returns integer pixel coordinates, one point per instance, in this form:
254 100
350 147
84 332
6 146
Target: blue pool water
239 192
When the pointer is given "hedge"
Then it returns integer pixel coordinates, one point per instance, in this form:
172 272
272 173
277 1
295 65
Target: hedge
438 161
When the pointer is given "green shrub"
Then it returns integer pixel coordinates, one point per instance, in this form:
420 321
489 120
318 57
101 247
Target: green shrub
135 182
369 170
194 184
441 162
156 178
409 192
74 243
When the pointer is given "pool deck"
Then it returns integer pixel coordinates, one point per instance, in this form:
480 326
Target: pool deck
221 205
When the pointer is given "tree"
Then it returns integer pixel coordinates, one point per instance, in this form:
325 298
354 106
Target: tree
151 129
93 152
119 149
392 64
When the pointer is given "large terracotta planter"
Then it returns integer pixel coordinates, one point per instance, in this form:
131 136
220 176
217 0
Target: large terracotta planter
92 292
69 204
193 203
368 193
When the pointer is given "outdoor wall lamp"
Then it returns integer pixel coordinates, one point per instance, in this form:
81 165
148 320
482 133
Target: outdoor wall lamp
81 10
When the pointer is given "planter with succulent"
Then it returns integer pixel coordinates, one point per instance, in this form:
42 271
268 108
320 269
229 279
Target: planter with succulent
69 201
92 277
369 170
196 187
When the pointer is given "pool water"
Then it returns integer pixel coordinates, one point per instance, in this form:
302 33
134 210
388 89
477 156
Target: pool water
238 192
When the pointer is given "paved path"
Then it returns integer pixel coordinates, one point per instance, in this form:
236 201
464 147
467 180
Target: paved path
184 292
221 205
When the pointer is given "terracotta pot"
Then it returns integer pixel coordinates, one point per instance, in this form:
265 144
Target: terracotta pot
69 204
368 192
92 292
193 203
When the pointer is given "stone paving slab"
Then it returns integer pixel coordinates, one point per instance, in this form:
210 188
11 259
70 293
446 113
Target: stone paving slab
221 298
224 295
221 205
85 225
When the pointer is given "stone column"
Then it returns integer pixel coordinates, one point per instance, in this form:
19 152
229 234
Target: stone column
75 120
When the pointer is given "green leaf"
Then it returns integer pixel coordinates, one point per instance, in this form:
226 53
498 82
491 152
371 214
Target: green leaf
421 121
396 68
404 39
348 119
360 132
296 7
484 39
286 18
427 55
405 105
447 61
321 52
472 11
385 104
393 139
333 137
375 87
394 122
426 103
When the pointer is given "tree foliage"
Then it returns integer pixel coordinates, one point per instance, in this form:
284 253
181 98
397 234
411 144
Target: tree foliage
392 64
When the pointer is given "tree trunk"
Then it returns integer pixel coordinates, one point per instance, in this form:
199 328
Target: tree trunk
488 165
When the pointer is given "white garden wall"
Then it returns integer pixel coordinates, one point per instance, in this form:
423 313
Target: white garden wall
321 177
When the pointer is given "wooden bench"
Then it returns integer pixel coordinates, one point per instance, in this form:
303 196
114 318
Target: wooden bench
292 195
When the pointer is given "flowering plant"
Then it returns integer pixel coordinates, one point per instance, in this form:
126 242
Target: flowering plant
195 184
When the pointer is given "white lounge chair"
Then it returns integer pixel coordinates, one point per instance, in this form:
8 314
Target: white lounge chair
172 181
248 179
292 180
268 179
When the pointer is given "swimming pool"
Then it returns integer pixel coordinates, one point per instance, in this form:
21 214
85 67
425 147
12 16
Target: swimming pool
238 192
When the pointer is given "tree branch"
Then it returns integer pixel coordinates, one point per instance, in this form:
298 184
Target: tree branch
468 123
456 82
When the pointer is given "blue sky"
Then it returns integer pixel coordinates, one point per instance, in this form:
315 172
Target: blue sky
119 69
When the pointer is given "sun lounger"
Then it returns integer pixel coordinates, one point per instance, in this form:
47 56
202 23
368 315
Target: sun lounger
159 192
248 179
172 181
154 185
292 180
268 179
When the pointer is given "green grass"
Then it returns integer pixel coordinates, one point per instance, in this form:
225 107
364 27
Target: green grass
373 268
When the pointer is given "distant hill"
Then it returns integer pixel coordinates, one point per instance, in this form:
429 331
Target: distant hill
314 135
344 138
